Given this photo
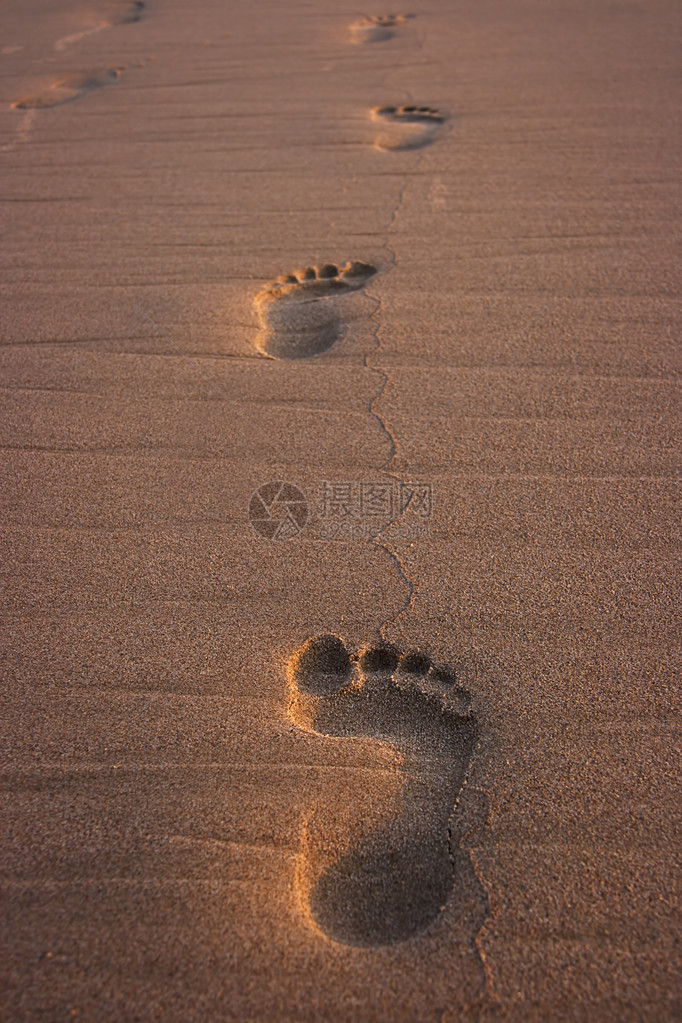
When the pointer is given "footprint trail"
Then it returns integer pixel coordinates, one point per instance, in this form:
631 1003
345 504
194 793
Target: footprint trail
298 312
385 885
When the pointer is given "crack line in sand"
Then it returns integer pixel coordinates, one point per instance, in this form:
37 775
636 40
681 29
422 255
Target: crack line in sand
395 558
454 843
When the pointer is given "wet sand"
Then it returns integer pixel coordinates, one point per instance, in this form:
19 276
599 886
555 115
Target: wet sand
502 385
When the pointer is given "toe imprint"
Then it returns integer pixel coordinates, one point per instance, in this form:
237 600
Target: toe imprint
379 658
297 321
377 28
323 666
393 880
319 281
408 114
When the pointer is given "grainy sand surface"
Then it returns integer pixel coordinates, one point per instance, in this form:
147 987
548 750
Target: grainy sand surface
190 812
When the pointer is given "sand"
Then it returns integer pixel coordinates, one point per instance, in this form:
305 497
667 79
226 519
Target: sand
181 799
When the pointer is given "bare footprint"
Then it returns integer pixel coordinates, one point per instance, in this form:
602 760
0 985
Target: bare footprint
134 12
68 89
384 884
298 314
408 127
377 28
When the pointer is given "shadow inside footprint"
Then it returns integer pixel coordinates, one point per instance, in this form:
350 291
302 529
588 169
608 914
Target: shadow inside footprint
298 320
384 892
68 89
407 127
377 28
396 879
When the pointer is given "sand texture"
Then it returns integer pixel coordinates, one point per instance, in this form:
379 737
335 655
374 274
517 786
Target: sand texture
340 443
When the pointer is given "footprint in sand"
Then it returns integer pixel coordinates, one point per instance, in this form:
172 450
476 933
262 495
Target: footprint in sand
377 28
407 127
68 89
298 314
133 13
390 882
